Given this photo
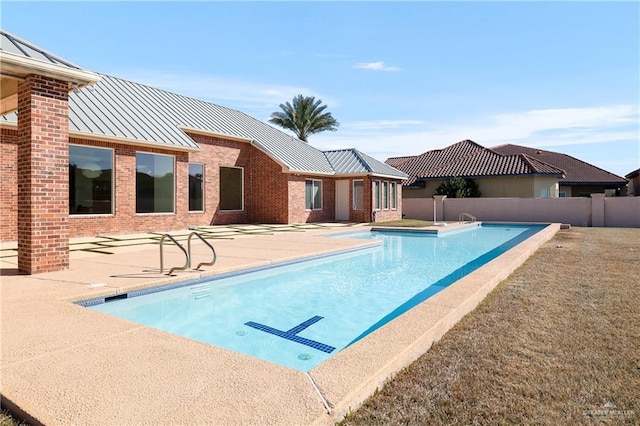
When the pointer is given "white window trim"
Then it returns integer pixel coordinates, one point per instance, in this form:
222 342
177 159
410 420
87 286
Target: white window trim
353 198
393 195
385 197
377 198
314 208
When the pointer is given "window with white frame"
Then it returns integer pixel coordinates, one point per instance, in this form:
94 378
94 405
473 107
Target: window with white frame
231 188
358 194
394 195
155 183
377 195
313 194
90 180
385 195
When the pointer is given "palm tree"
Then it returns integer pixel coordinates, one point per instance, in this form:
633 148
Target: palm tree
305 117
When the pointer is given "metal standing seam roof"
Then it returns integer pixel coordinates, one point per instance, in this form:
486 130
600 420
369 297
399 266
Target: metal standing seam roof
352 161
13 44
122 109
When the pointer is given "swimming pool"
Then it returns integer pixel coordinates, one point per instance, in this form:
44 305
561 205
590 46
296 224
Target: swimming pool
300 314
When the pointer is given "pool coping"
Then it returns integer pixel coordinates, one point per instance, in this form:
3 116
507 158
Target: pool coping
64 364
352 375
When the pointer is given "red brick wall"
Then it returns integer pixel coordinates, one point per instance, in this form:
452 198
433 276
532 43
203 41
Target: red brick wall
383 215
43 158
216 153
297 211
270 196
9 185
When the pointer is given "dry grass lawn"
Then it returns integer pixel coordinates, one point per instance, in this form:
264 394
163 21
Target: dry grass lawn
557 343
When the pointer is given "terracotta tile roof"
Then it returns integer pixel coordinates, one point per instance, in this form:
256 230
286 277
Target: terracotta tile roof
468 159
633 174
395 161
577 172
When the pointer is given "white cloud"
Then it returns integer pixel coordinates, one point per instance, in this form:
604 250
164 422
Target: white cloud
544 128
375 66
257 99
381 124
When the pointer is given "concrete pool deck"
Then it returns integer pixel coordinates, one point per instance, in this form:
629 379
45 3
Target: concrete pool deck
65 364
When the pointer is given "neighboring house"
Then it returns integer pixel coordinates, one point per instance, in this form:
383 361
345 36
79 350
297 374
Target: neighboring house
118 156
580 179
634 182
496 175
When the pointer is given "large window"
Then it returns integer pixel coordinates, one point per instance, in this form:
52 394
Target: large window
154 183
196 187
358 195
313 194
231 188
377 195
90 180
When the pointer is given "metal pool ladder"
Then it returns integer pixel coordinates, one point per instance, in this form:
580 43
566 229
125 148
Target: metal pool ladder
469 216
208 244
187 253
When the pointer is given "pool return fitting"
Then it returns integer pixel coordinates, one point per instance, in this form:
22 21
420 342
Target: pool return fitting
187 253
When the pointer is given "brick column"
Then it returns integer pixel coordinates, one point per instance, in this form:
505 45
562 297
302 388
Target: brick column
43 175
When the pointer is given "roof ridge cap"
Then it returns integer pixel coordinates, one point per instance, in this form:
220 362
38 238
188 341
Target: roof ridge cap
529 160
38 49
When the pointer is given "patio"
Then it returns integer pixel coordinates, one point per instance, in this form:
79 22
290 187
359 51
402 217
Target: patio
62 363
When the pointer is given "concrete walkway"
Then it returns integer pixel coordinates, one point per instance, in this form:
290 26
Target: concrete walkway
65 364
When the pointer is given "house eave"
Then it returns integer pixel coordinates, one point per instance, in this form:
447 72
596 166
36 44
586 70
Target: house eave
114 139
364 174
17 66
204 132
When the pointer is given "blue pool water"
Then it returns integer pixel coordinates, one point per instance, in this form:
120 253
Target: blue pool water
300 314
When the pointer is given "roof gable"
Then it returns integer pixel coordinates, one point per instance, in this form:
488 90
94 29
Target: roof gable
352 161
13 44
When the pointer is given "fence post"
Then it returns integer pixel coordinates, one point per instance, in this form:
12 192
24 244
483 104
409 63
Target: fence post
438 207
597 209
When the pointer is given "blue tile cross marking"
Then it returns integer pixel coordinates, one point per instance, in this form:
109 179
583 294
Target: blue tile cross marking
293 333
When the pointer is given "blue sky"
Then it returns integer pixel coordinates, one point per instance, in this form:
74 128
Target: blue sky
401 77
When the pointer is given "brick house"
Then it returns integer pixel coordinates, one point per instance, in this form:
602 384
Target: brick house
86 154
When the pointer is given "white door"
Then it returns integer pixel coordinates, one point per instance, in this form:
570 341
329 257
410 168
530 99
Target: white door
342 199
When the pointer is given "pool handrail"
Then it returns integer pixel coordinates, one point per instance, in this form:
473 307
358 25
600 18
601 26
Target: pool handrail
471 217
215 256
175 268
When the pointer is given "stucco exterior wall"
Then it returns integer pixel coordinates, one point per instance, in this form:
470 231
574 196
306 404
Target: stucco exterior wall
622 211
507 186
578 211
